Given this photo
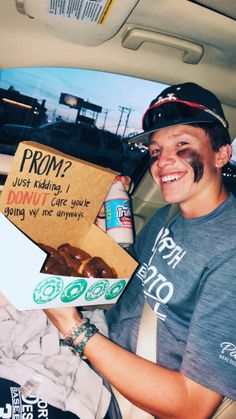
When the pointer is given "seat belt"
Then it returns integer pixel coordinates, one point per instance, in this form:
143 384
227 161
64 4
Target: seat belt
146 348
226 410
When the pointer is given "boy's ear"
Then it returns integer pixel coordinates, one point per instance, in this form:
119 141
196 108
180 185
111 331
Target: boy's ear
223 155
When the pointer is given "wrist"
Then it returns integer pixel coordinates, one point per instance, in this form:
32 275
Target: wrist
72 336
65 320
78 337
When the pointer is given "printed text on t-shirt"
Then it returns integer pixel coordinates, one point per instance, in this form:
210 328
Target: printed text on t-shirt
156 287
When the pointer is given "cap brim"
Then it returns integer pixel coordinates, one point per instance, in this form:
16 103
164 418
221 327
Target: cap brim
144 136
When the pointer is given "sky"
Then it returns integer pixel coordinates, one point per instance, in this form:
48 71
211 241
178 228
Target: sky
110 91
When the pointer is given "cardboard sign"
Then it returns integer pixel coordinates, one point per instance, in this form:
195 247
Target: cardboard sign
48 192
52 199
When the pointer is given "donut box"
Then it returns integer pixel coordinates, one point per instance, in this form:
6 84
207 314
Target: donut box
53 198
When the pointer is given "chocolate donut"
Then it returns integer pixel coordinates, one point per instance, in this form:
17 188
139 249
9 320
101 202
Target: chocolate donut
52 252
72 255
54 266
69 260
96 267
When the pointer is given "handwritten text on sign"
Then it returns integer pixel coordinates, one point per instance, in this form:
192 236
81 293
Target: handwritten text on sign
43 196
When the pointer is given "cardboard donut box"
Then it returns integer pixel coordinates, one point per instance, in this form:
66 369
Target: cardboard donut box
53 198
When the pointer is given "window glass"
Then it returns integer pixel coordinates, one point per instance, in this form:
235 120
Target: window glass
234 149
87 114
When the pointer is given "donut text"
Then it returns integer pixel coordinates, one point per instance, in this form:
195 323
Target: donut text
27 197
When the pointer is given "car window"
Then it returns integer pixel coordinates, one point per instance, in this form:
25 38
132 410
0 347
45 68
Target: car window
87 114
234 149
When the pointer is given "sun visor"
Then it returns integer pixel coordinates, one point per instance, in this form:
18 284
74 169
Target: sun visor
84 22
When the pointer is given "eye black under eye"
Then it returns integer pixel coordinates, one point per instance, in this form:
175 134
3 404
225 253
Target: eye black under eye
153 159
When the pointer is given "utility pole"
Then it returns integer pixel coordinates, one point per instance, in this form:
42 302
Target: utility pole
105 118
129 110
122 110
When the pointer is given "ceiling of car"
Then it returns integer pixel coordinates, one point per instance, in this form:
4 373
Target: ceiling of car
165 40
227 7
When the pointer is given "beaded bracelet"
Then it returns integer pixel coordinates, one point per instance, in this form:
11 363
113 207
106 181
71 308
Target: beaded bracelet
79 349
68 341
90 330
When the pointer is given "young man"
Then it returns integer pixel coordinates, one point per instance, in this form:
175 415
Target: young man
186 273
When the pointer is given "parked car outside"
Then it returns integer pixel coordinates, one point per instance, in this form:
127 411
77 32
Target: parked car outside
83 141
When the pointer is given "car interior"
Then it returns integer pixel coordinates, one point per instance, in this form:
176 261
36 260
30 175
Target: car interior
146 43
159 41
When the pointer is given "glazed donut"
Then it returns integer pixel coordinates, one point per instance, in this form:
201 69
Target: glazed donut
54 266
68 260
51 252
96 267
72 255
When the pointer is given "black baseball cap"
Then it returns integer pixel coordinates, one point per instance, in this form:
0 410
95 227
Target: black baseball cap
193 104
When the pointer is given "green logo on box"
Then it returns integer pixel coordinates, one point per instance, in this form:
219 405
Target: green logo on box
74 290
49 289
